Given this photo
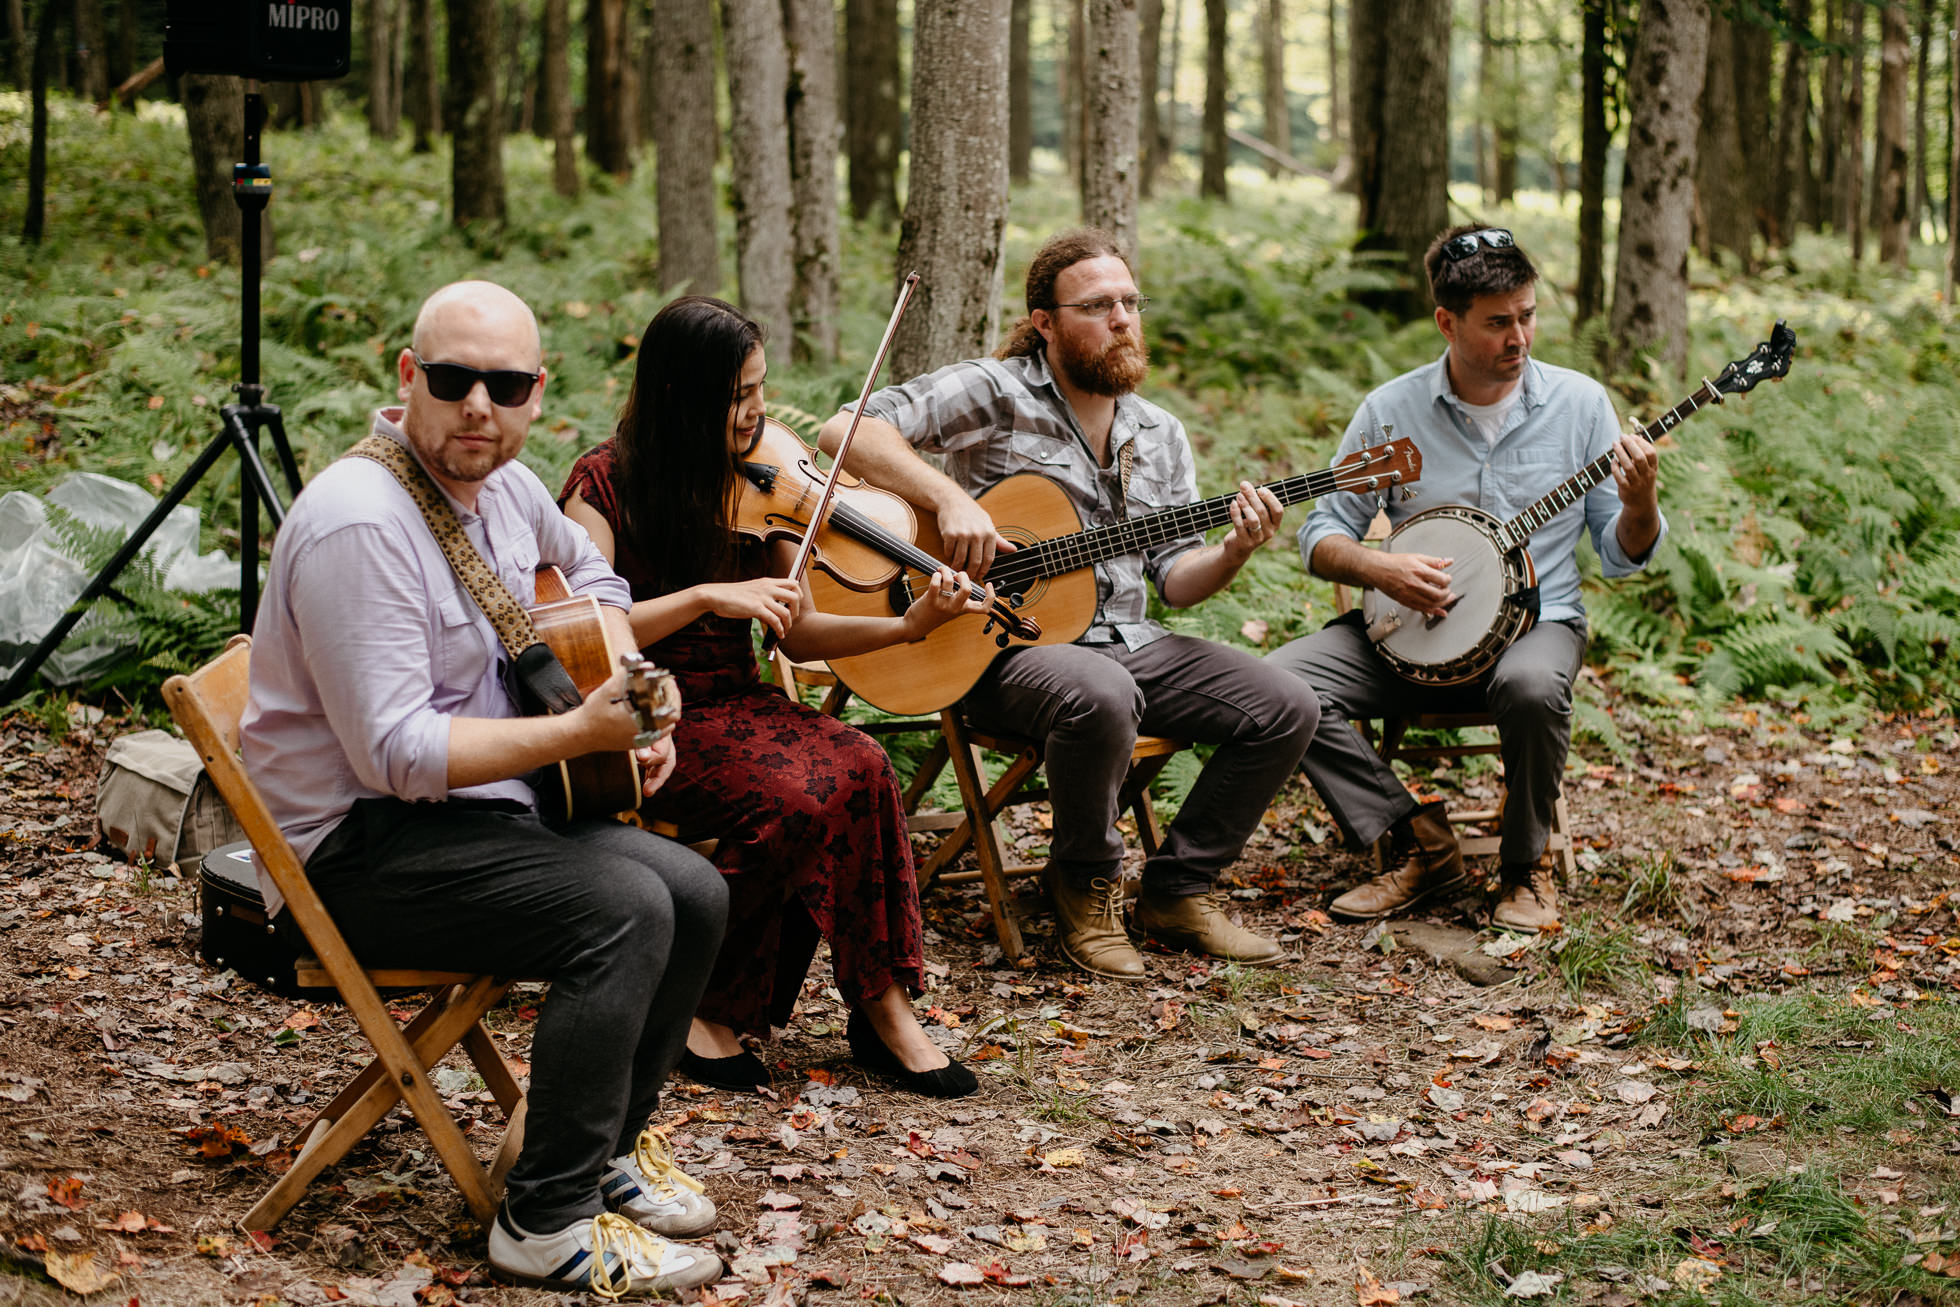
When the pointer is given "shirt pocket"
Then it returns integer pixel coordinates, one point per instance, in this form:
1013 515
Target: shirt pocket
462 660
520 568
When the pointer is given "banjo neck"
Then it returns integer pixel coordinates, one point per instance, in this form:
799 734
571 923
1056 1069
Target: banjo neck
1514 533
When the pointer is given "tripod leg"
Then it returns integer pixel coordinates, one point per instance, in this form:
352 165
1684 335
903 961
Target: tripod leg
17 683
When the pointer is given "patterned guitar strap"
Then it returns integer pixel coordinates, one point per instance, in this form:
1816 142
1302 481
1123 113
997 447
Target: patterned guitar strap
543 686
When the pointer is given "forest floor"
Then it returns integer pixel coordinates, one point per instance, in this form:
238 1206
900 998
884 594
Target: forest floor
1734 1076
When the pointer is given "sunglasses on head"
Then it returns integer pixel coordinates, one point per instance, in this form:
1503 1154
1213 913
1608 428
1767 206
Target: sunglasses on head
452 382
1471 243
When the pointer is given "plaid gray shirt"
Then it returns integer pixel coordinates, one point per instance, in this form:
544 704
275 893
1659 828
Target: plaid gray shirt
992 418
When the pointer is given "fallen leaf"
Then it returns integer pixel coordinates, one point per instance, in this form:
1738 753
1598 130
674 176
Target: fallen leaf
1063 1157
78 1272
1371 1292
67 1191
961 1273
1534 1284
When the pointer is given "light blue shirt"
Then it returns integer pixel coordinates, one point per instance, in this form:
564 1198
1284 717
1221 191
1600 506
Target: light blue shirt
367 643
1563 420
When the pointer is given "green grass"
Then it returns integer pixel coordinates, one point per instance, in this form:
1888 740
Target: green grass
1592 953
1653 892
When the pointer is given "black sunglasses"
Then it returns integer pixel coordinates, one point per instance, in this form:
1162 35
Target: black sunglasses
1471 243
452 382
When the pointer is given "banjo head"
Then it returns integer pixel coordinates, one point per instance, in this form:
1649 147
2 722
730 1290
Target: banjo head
1459 645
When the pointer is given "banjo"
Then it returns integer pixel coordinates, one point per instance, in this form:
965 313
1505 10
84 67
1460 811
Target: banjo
1495 581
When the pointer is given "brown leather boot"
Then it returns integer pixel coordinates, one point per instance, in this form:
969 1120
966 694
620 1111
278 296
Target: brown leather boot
1530 900
1433 867
1199 923
1089 927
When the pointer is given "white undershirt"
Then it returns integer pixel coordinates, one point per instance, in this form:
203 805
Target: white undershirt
1489 419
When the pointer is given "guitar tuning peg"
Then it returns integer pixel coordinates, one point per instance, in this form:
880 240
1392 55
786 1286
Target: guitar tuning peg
1408 493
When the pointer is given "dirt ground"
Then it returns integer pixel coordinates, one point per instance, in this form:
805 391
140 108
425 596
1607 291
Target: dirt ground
1333 1131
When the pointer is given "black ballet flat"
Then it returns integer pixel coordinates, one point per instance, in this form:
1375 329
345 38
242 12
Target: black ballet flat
740 1074
870 1053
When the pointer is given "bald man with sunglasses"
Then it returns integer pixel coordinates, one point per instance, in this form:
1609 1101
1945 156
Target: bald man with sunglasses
383 730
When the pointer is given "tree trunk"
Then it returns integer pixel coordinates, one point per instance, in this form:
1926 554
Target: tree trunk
1150 66
758 135
419 78
1109 141
34 221
684 123
1170 79
1480 132
1922 145
1787 202
1952 155
384 77
1504 121
20 46
1830 126
1851 169
608 70
475 114
1211 180
1337 114
122 50
1272 68
91 51
1650 279
1891 180
1593 144
956 209
1400 76
520 86
214 118
810 30
1068 89
871 118
1020 92
1722 181
555 89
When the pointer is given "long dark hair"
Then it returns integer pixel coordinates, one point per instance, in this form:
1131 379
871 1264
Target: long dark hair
676 477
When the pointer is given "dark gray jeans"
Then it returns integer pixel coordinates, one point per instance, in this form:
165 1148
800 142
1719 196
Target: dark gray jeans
1087 704
624 924
1529 693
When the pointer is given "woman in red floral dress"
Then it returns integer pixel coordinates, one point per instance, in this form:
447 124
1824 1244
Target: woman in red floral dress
808 810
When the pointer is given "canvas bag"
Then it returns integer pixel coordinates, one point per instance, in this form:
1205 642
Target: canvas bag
154 801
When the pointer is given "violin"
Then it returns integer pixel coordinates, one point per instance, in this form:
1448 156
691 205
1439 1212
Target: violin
781 486
865 538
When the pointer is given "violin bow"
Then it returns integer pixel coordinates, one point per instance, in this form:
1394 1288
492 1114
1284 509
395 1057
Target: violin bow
807 545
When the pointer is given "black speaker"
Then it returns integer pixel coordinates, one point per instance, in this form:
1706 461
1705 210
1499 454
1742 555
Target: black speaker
271 40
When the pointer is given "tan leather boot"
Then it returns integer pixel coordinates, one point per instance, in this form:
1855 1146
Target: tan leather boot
1089 927
1199 923
1433 867
1530 900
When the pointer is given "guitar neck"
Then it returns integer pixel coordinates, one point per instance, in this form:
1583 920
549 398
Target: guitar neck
1571 490
1136 534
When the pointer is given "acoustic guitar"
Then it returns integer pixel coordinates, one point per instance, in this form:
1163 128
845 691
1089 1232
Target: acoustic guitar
1049 578
574 628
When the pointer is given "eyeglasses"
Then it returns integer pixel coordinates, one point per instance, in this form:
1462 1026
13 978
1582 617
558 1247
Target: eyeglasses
1100 308
452 382
1470 244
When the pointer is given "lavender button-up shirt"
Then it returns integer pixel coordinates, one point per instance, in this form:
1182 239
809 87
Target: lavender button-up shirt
367 644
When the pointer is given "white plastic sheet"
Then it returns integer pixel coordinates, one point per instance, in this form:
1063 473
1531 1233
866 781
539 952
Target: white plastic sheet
38 582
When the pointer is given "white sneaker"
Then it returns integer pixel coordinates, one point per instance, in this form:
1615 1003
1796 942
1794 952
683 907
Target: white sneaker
608 1255
647 1188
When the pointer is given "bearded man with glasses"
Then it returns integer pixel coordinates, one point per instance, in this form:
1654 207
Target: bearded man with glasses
382 728
1497 430
1059 399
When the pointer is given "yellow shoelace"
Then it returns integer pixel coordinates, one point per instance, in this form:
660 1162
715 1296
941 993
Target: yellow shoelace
614 1234
655 1158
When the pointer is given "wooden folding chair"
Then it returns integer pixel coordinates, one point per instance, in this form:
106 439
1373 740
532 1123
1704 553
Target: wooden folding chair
207 706
978 826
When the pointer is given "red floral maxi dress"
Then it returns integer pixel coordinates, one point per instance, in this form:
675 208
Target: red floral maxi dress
808 810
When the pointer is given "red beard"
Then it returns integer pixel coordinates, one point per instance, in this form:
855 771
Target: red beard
1117 369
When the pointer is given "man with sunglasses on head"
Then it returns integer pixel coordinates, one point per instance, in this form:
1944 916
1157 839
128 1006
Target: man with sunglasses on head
382 727
1058 399
1497 429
